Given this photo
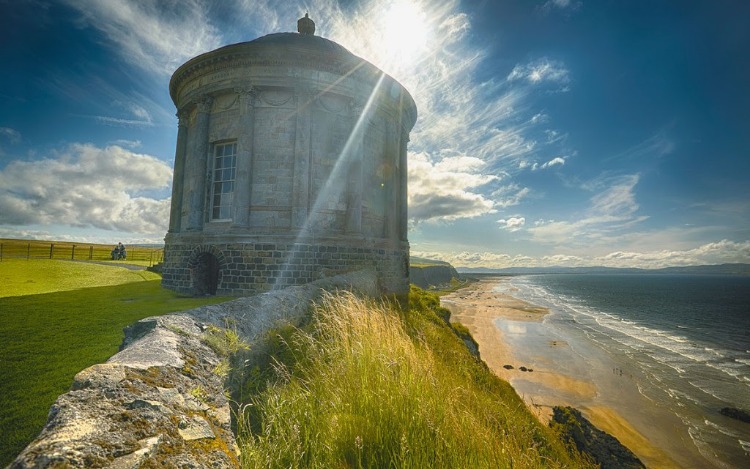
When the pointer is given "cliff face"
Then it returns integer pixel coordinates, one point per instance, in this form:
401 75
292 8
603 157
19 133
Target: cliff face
424 276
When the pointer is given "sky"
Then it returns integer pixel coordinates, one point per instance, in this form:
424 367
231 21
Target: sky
550 132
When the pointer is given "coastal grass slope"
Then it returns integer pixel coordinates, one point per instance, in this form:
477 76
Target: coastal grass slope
57 318
370 384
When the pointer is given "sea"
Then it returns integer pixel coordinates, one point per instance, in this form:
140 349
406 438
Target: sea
681 342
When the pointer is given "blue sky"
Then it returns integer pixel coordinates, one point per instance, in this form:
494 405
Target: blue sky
550 132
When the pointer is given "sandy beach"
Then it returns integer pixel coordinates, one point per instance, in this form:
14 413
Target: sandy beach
493 317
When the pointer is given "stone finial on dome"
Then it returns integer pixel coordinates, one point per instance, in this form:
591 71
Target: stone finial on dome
306 26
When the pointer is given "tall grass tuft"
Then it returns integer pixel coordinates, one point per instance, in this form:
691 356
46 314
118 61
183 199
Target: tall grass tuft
369 385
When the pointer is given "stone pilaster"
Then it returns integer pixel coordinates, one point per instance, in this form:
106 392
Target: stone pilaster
245 155
303 98
178 176
392 217
403 172
355 184
199 170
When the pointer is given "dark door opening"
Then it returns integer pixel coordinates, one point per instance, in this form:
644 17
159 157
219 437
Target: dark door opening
206 274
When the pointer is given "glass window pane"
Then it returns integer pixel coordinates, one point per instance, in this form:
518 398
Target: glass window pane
225 163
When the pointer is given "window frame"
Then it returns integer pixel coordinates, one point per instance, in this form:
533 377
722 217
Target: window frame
223 178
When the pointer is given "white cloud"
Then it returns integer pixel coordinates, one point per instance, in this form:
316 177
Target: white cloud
153 35
443 190
126 143
509 195
611 211
512 223
138 116
553 162
618 200
11 135
719 252
84 185
563 260
655 146
540 71
561 5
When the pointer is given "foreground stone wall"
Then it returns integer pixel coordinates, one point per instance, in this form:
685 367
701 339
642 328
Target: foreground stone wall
160 401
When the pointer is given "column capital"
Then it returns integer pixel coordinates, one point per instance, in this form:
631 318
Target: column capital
405 135
248 95
183 115
204 103
246 89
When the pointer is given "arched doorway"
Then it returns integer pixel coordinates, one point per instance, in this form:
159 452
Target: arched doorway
206 274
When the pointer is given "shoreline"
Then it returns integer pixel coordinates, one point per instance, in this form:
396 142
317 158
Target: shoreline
506 330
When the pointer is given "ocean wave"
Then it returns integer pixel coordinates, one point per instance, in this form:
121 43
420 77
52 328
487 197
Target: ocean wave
733 369
726 431
692 357
681 395
707 388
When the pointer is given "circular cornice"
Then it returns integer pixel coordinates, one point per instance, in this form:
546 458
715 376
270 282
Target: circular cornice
287 49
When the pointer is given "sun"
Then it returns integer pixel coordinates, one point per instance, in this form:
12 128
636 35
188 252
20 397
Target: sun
405 30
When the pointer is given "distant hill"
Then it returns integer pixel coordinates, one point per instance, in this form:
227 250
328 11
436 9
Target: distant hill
414 260
427 273
721 269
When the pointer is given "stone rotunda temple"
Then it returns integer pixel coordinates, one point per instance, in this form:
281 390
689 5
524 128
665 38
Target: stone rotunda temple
290 166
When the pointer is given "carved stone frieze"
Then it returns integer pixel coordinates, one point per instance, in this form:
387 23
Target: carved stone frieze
276 97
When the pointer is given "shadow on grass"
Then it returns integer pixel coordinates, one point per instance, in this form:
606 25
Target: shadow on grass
46 339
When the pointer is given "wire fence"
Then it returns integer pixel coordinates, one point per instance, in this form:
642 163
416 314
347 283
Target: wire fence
17 249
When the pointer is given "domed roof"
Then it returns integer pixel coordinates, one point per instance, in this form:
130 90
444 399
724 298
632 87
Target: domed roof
317 49
303 41
300 49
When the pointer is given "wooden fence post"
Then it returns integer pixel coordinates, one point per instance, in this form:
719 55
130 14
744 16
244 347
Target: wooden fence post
73 253
51 250
1 252
28 251
91 252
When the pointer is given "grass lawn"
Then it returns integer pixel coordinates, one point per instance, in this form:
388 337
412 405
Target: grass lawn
57 318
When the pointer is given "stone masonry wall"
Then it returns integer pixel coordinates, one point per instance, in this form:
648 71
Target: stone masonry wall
160 401
250 268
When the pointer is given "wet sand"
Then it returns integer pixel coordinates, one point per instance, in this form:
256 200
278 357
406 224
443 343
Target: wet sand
492 317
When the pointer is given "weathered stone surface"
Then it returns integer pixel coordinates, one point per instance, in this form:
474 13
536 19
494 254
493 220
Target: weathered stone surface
195 428
159 400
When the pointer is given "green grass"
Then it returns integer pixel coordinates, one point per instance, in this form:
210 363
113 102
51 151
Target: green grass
366 384
20 277
57 318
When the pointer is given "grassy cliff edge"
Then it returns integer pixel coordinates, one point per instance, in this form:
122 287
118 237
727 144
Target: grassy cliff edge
372 384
